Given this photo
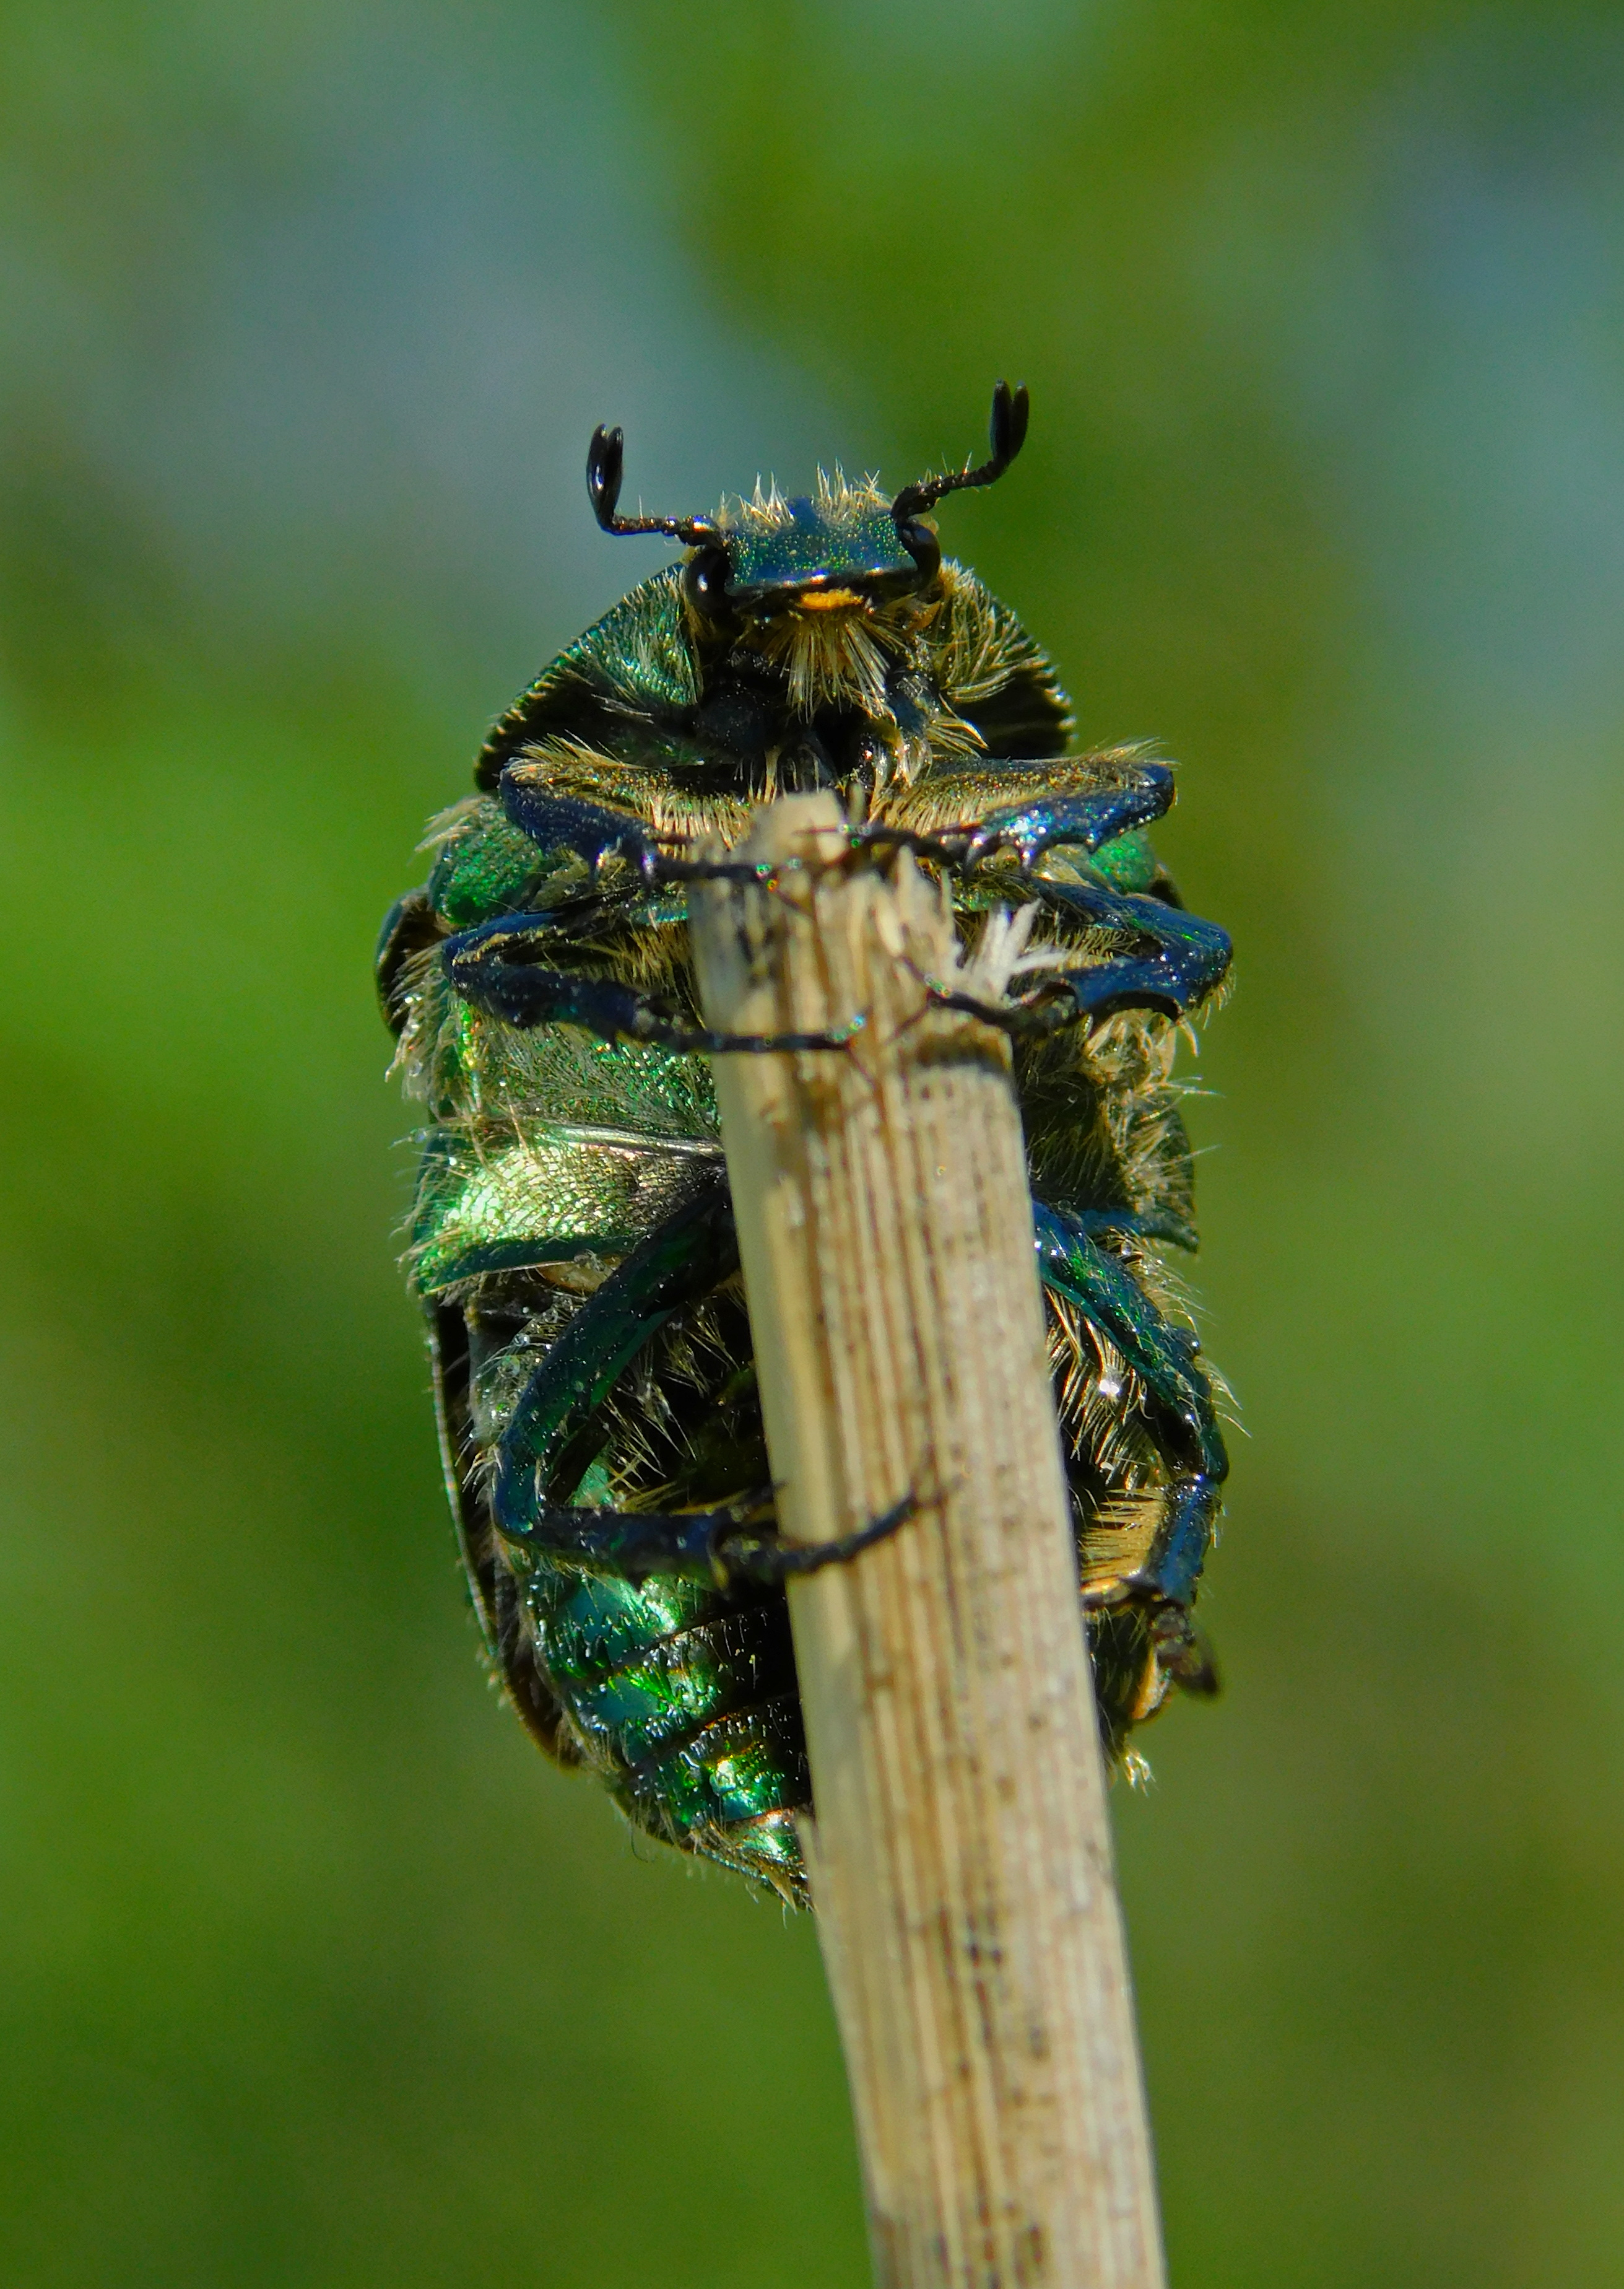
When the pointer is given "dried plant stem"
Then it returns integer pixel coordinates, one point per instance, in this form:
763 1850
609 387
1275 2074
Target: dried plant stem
961 1856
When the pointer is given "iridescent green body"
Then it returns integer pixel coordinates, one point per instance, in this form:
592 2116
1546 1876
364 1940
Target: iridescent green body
572 1241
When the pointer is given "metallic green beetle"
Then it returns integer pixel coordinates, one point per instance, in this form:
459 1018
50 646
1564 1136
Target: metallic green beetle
572 1241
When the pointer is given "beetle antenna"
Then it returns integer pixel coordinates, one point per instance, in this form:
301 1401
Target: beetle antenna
1007 434
604 458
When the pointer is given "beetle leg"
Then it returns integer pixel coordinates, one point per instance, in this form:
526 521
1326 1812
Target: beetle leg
551 1439
1082 820
1185 959
1166 1359
1168 1581
634 1544
775 1562
732 1545
408 927
555 820
1133 1224
483 966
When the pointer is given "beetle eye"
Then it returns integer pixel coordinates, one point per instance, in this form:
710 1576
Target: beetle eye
706 581
922 545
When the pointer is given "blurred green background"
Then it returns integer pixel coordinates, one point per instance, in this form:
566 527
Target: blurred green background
310 1972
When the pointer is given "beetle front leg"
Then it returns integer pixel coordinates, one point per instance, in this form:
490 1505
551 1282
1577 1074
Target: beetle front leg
1026 807
1084 819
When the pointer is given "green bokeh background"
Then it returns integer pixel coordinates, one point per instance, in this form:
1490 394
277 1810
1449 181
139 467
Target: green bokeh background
311 1972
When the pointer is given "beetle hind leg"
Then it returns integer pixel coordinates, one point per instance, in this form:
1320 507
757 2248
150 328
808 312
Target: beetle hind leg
734 1545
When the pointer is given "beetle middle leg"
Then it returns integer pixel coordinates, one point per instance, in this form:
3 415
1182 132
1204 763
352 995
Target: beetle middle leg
485 965
1183 960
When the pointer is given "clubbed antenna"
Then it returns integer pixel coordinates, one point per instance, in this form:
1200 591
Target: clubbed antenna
604 458
1007 433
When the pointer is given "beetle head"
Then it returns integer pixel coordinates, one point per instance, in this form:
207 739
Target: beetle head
844 550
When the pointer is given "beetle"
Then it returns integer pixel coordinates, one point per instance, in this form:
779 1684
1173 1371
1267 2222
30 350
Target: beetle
572 1241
